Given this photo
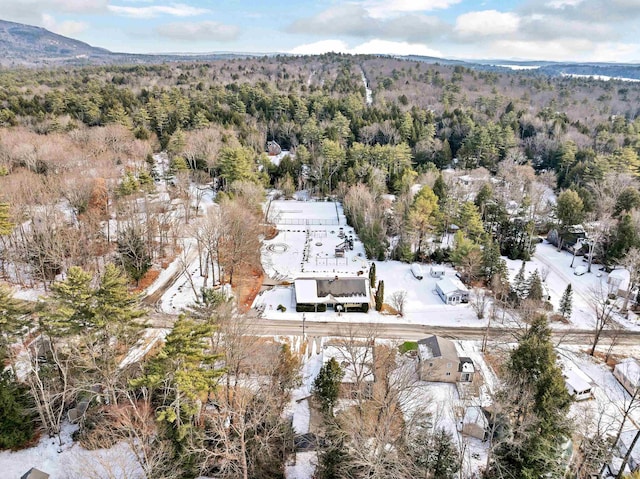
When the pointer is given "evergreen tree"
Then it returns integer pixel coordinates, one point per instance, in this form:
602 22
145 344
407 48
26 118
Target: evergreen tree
492 262
326 386
483 197
536 404
520 283
17 419
566 302
380 296
11 312
440 190
372 274
180 375
469 221
534 286
625 238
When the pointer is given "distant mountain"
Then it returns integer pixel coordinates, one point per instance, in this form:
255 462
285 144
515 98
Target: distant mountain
28 45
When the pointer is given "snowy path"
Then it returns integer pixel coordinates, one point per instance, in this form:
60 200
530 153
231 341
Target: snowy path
369 92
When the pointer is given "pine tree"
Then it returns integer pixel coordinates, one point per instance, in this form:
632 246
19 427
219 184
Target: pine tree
566 302
11 312
372 274
535 404
534 286
440 190
17 421
380 296
326 386
520 283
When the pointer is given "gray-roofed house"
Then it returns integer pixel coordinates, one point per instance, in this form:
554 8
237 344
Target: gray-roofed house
438 361
340 294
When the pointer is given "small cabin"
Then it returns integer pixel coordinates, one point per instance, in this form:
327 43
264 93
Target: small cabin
618 281
416 270
437 272
579 388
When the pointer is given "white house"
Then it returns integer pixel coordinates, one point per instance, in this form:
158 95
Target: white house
452 291
628 373
579 388
341 294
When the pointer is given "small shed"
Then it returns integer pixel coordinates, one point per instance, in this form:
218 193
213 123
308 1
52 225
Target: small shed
627 372
475 423
416 270
579 388
34 473
618 281
452 291
437 271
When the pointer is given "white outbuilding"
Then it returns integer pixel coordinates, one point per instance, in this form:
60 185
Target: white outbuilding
579 388
618 281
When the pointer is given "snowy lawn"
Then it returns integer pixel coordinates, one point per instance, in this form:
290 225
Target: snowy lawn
605 410
71 461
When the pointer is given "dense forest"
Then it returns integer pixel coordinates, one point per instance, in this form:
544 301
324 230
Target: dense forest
102 172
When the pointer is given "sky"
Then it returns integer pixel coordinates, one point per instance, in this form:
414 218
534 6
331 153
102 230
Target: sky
561 30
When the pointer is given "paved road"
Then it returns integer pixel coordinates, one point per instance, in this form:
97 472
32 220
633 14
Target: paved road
408 332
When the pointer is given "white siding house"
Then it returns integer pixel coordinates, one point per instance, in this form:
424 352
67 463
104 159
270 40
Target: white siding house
452 291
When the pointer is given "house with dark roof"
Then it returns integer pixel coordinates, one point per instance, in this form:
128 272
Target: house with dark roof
338 294
438 361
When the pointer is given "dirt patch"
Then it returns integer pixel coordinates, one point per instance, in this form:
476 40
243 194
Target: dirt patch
147 280
247 282
270 232
388 309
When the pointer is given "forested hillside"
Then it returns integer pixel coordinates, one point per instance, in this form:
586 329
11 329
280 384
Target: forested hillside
109 174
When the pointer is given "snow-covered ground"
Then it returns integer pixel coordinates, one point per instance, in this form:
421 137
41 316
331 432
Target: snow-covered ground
70 461
309 232
605 410
557 267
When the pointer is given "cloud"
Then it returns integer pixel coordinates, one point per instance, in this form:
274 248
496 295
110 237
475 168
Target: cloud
32 11
375 46
383 9
200 31
67 28
355 21
487 23
176 10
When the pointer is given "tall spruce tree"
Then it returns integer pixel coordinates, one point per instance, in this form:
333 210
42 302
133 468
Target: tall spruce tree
380 296
534 286
372 275
520 286
535 404
566 302
326 386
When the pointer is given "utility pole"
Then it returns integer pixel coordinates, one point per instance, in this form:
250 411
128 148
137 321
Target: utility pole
304 317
